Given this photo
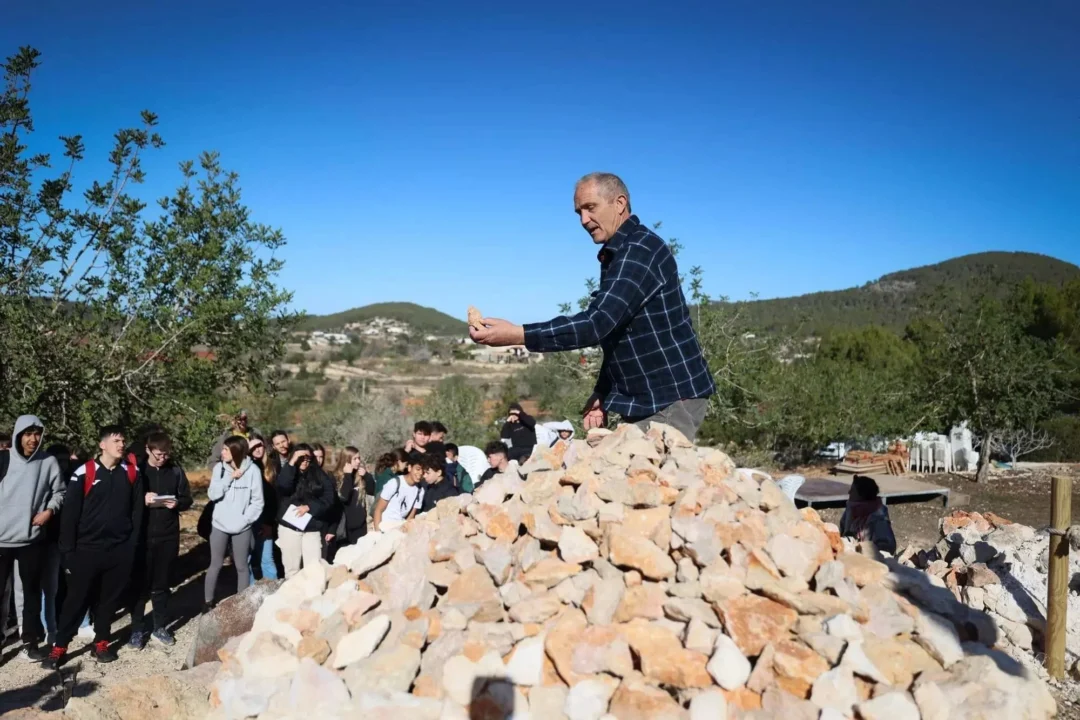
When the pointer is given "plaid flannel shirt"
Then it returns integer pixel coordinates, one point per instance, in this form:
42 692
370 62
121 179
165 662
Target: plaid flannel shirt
640 319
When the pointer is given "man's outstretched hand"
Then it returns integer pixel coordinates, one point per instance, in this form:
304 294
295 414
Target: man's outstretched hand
497 333
594 415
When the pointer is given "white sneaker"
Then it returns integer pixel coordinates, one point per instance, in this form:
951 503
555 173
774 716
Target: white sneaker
24 656
87 632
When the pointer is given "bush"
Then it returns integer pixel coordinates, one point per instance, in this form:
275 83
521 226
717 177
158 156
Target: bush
1065 430
374 423
459 406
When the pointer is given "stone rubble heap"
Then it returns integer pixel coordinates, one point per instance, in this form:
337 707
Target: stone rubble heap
999 568
649 580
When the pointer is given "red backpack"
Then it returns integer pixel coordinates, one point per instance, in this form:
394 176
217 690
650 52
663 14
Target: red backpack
91 469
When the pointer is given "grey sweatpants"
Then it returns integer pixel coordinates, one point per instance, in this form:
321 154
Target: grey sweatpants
685 416
241 548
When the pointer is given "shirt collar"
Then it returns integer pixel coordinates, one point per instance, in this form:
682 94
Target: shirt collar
614 245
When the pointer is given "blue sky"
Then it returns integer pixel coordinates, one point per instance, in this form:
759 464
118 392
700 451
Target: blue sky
427 151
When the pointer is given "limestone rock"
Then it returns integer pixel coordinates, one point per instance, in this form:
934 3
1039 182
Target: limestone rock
835 689
635 699
632 551
708 705
536 608
728 666
370 551
550 572
576 547
938 637
589 699
643 601
359 644
890 706
526 665
797 667
663 658
602 649
863 570
754 622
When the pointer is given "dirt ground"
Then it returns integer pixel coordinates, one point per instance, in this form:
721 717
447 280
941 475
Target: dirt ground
1021 495
24 684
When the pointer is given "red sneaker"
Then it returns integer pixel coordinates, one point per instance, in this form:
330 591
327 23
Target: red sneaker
102 653
55 658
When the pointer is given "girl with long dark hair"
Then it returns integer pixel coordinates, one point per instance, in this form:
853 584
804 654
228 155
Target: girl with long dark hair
263 564
307 499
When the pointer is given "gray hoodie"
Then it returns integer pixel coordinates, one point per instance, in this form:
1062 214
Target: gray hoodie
237 503
31 485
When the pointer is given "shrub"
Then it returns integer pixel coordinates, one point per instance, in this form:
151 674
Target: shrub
1065 430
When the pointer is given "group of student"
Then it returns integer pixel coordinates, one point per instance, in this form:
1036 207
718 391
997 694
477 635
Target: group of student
86 536
83 537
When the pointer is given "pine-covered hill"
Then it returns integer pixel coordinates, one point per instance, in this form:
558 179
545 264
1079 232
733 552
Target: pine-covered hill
422 319
894 299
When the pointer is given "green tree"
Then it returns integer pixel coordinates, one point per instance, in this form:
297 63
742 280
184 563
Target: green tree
460 406
981 366
111 315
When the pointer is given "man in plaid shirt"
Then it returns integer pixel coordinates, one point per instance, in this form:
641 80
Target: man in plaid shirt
653 369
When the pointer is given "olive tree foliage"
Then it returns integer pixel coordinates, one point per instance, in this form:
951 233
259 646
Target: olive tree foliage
113 313
460 407
374 423
982 366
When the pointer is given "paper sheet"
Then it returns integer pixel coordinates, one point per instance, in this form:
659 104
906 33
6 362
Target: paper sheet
293 519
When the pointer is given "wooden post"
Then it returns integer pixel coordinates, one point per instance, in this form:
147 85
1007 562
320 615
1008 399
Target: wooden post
1058 586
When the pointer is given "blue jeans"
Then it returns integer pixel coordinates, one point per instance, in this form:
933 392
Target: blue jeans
263 552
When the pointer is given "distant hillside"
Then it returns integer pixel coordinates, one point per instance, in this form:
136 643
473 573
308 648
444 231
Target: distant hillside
893 299
423 319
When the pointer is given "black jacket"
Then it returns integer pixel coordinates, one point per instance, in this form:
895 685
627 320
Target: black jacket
319 499
170 479
354 503
522 434
434 493
109 517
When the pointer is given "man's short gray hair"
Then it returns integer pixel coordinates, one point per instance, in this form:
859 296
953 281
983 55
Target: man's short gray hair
611 185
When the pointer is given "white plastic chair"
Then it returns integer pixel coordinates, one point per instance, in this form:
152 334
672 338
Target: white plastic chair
938 456
913 456
474 461
790 484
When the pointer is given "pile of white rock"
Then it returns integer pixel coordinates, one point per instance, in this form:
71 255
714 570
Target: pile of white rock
650 580
999 568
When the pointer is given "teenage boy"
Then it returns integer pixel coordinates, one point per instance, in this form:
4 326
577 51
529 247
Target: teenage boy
436 444
31 493
421 436
520 431
436 485
167 495
455 471
498 460
400 497
103 513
